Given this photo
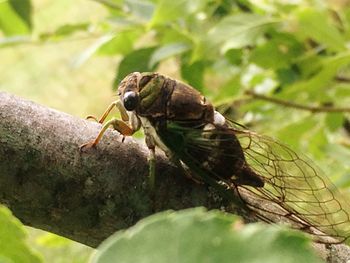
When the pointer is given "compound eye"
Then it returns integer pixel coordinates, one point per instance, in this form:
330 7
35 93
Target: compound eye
130 100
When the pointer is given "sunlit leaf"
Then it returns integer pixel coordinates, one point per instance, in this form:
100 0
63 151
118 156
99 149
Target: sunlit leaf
194 74
340 152
195 235
143 10
278 52
52 240
299 128
324 76
309 65
234 56
343 91
83 57
228 91
112 4
121 43
137 60
317 141
13 247
169 10
24 9
287 75
240 30
15 17
316 25
167 51
334 121
64 31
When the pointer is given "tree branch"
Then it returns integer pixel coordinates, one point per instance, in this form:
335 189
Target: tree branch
49 184
294 105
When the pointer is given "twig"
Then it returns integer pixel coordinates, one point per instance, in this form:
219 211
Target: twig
314 109
342 79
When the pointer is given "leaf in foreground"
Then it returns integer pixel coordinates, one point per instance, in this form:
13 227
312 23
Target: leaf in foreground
195 235
12 240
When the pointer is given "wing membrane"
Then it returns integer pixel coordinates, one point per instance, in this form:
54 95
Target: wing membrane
295 191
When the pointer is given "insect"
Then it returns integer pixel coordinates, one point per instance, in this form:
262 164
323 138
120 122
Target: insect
271 179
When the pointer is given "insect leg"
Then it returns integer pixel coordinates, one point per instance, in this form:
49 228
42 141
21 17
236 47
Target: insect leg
152 167
118 125
116 104
151 160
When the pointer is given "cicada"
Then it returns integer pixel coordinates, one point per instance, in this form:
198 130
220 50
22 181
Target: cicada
276 183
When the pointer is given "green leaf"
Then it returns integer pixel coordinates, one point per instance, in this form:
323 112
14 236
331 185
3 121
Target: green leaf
24 10
330 67
65 30
240 30
316 25
334 121
309 65
195 235
232 32
169 10
137 60
15 17
269 56
277 52
121 43
12 240
111 4
341 153
299 128
194 74
167 51
143 10
234 56
87 53
53 241
342 90
287 76
317 141
228 91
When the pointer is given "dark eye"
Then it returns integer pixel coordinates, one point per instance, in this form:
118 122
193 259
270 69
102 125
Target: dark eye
130 100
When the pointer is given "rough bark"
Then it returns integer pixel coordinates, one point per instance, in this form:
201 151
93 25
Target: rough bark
49 184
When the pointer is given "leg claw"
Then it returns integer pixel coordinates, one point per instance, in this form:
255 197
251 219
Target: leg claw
86 146
90 117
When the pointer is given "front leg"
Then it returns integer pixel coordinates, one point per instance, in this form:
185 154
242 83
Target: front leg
184 169
116 104
119 125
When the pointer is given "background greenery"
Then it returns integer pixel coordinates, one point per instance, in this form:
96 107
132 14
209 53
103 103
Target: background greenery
70 55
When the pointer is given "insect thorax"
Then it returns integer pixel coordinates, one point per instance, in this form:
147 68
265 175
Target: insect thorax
178 101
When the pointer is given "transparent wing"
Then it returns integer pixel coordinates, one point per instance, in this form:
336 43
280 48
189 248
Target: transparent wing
295 190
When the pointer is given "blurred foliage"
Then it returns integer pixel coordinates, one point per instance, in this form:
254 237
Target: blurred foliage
13 247
290 50
65 54
58 249
195 235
